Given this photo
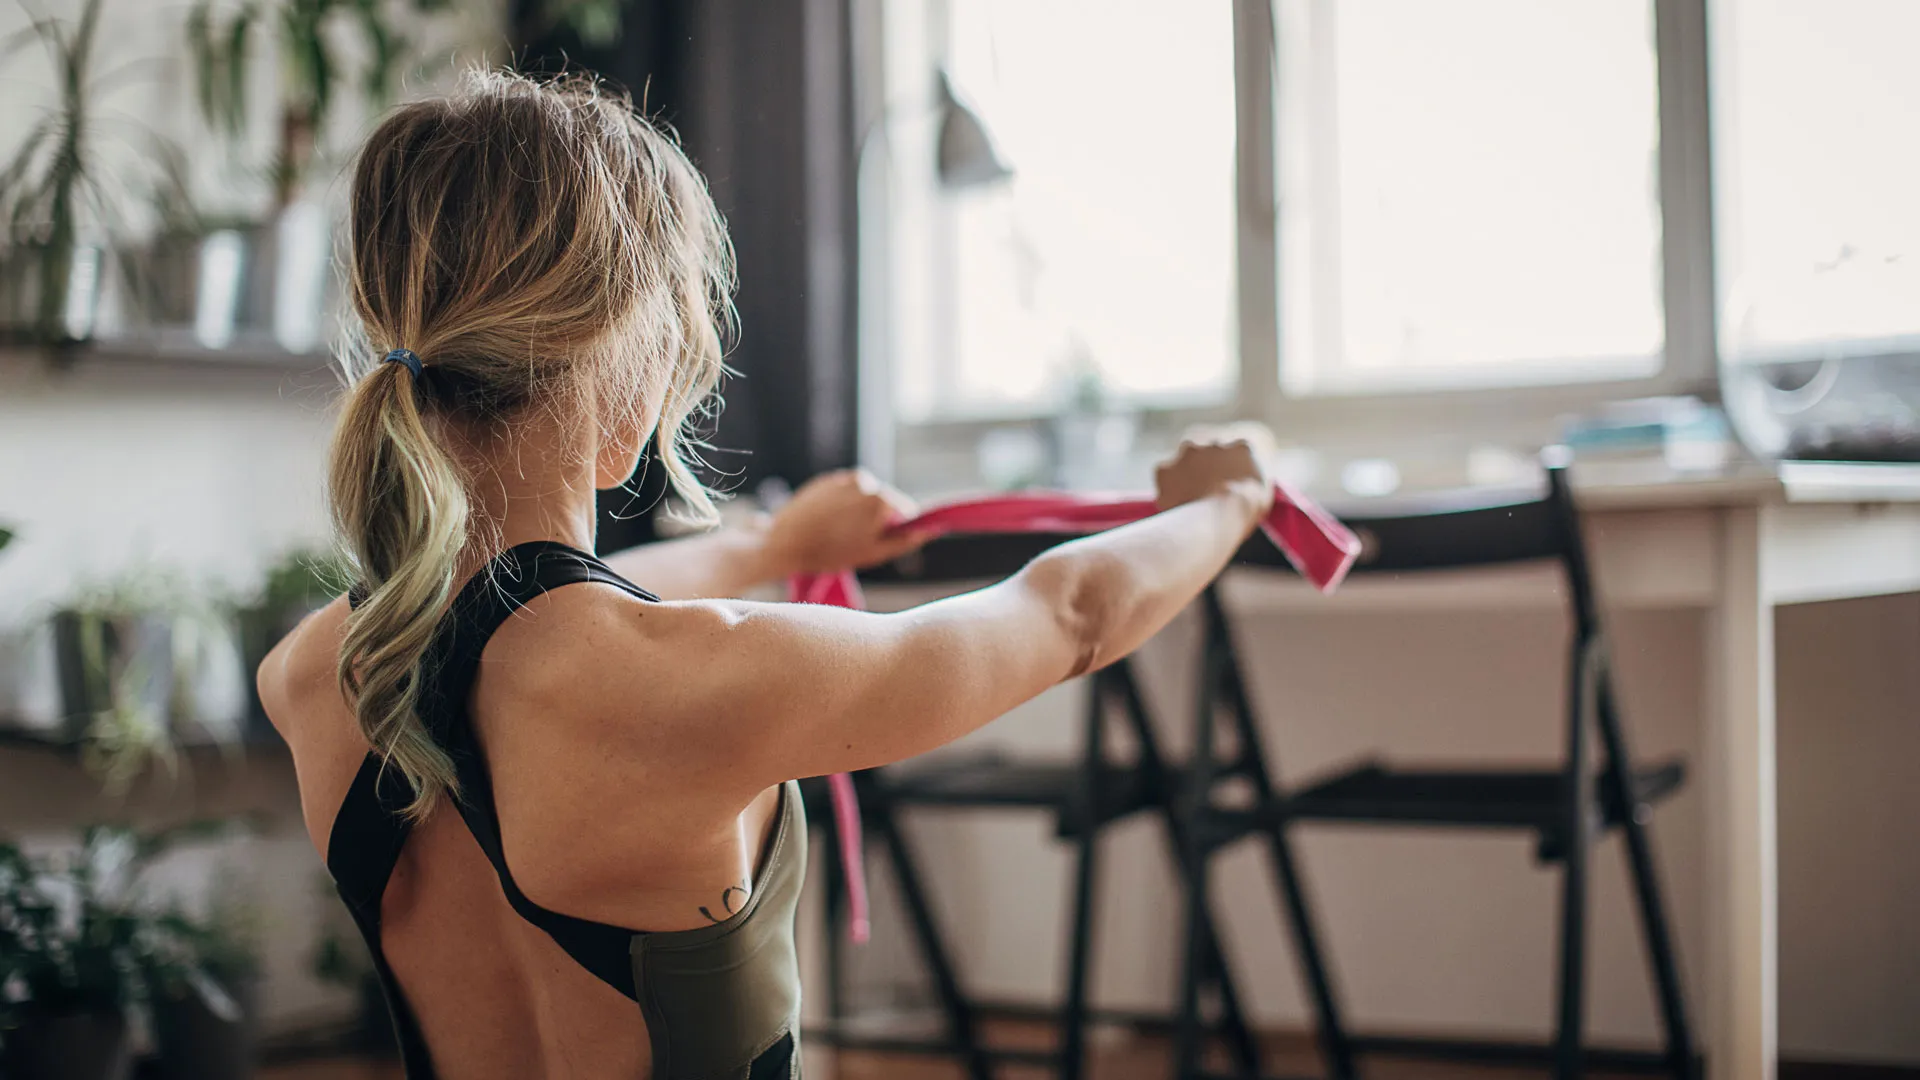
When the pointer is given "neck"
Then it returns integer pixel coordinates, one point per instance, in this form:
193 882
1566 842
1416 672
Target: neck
532 481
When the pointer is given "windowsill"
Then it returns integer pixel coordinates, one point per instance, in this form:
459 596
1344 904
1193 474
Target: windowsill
1487 378
1436 440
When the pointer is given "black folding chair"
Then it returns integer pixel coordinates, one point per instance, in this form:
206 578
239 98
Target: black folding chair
1565 806
1084 798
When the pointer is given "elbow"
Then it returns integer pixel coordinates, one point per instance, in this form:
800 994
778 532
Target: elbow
1084 593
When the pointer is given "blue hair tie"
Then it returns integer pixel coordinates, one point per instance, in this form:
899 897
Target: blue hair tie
406 357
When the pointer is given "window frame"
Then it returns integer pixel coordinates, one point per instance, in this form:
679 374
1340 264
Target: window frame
1336 420
1687 362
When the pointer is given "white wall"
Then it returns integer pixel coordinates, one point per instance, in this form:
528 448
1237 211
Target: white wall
212 475
209 473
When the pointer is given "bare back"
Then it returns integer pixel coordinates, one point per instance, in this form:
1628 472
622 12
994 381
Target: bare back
592 827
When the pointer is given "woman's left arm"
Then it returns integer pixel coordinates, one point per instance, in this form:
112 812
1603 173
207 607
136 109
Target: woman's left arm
836 521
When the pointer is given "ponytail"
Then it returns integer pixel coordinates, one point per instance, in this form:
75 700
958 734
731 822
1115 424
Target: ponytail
400 511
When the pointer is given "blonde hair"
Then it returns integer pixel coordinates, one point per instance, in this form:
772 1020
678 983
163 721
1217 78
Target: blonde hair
538 246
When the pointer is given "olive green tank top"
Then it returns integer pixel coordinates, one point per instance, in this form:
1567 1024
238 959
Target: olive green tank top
720 1002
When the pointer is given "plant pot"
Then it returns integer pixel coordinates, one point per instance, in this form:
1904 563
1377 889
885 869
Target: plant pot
69 1046
195 1043
290 261
196 280
72 274
109 661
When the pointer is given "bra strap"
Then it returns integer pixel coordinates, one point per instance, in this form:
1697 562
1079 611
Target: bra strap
507 584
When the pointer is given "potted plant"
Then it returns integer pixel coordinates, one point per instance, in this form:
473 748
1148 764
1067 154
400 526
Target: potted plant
129 655
69 981
73 960
44 191
190 275
320 48
205 1001
58 195
63 1013
204 985
314 41
85 958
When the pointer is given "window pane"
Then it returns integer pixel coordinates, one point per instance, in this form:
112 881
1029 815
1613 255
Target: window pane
1818 175
1113 243
1467 188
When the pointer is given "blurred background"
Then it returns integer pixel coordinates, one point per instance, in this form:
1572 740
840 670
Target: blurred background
994 244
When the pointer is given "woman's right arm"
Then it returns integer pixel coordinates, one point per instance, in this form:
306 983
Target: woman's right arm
790 690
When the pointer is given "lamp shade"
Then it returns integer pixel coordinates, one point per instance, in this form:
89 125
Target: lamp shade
966 156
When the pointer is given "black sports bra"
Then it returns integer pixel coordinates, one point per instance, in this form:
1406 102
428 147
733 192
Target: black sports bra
721 1002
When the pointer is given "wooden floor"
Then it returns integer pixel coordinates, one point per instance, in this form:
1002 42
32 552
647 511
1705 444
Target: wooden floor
1116 1055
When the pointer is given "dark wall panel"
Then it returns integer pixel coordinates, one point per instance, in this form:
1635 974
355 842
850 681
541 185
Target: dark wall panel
760 91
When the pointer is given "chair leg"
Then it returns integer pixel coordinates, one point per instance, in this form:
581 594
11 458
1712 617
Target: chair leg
1211 966
1654 927
1575 824
1189 1036
1573 925
1334 1043
1233 1022
962 1028
834 915
1073 1017
1192 800
1333 1037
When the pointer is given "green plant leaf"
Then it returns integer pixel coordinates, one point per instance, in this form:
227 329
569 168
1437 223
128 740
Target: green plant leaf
384 49
82 48
597 22
205 56
320 72
235 68
24 156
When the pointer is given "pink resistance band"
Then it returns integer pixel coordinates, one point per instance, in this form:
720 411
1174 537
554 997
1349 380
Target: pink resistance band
1314 541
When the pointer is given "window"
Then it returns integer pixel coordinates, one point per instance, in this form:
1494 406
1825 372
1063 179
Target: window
1109 252
1816 171
1468 192
1511 201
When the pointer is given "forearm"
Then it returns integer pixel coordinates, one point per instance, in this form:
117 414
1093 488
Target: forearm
1115 590
728 562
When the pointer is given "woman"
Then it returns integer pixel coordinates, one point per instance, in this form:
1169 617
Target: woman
548 795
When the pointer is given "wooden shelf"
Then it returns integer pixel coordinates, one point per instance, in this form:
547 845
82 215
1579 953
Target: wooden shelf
176 347
14 736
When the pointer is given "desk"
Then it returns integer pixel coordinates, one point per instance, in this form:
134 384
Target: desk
1737 546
